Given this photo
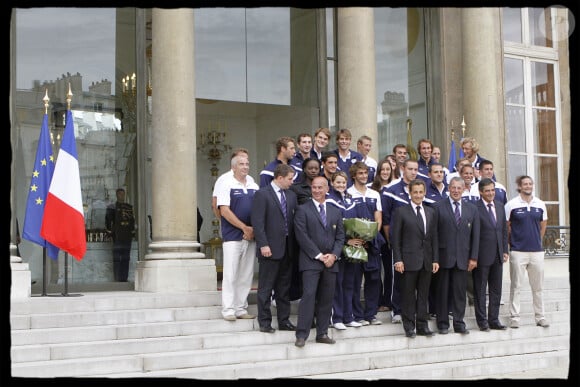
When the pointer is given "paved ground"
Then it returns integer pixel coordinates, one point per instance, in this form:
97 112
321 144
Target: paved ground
553 267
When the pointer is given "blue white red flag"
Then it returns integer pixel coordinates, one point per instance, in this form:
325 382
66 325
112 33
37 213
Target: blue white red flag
452 159
64 223
38 190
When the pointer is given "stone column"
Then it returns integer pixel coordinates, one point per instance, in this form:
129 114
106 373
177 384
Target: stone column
483 101
19 271
174 263
357 100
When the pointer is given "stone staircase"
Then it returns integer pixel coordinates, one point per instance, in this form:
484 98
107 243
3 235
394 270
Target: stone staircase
135 335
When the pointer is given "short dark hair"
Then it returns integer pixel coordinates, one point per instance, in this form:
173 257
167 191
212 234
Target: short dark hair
484 182
328 154
283 170
120 190
434 163
415 182
399 146
485 162
309 159
302 135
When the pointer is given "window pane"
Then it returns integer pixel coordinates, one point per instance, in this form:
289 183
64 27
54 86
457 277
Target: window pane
268 31
539 18
220 52
517 167
543 84
553 214
544 131
330 32
92 50
400 76
514 81
331 95
515 128
546 181
512 25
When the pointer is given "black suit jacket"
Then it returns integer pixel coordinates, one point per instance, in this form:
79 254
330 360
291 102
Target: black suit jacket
268 221
416 248
314 238
493 239
457 243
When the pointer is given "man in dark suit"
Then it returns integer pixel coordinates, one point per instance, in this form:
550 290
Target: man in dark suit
493 252
320 233
415 253
273 218
458 231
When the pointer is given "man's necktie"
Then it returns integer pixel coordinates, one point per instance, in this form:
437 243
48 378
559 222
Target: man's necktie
457 214
283 205
322 214
420 217
491 215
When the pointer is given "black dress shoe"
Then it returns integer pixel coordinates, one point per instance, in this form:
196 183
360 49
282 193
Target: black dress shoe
325 340
424 332
300 342
484 328
410 334
267 329
463 331
498 327
443 331
287 326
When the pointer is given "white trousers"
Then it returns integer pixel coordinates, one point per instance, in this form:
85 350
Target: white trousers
532 263
238 273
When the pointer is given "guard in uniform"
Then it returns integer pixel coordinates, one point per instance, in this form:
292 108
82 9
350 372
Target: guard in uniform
120 224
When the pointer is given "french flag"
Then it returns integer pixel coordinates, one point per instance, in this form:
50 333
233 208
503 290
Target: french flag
63 223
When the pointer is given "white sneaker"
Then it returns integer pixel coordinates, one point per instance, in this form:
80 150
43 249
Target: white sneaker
353 324
376 321
363 323
339 326
397 319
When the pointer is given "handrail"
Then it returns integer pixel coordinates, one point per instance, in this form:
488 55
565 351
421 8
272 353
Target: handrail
556 241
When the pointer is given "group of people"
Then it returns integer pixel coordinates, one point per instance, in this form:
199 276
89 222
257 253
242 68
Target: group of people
437 232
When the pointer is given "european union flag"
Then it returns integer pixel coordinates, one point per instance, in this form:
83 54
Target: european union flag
452 160
39 184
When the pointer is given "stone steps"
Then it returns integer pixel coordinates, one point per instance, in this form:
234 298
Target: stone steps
130 334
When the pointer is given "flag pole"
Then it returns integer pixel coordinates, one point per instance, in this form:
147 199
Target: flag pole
65 293
44 274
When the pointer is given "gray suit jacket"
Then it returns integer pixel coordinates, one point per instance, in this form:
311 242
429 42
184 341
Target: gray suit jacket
457 243
314 238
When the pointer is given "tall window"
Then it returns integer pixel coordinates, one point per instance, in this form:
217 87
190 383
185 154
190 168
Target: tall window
400 76
91 51
533 126
243 54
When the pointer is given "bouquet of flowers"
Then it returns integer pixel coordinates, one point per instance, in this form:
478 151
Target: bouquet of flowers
362 229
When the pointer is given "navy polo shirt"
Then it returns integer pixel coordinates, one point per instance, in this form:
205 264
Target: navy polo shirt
239 198
525 219
344 164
